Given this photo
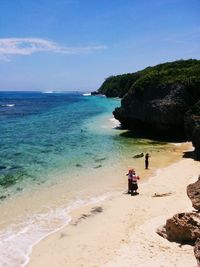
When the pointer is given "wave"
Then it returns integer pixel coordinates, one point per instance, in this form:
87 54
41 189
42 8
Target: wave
18 240
115 122
48 92
86 94
55 92
8 105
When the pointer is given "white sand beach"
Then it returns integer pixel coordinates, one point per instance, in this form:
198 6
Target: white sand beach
121 230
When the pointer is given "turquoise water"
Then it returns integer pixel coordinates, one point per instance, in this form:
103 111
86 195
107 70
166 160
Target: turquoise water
42 135
66 145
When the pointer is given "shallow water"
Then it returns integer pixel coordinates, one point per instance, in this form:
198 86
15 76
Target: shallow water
44 134
60 151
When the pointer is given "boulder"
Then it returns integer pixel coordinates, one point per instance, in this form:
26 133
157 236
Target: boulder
138 156
197 251
182 228
95 93
193 192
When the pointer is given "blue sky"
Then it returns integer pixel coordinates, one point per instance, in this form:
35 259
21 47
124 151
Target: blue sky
76 44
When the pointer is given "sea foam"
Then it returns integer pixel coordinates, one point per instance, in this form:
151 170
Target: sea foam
87 94
115 122
48 92
8 105
18 240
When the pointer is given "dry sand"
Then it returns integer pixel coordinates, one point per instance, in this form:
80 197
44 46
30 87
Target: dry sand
121 230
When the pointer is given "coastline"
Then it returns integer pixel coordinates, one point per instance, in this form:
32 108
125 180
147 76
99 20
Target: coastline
120 230
30 217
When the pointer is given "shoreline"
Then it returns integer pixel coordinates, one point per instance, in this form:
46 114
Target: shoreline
116 228
50 207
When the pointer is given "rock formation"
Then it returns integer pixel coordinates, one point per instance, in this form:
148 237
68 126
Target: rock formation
185 227
193 192
182 227
197 251
138 156
161 100
158 109
95 93
192 127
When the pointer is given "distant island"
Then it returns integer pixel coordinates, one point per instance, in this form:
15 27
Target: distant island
164 100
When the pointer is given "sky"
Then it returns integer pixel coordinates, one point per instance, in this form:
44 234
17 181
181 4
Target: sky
75 44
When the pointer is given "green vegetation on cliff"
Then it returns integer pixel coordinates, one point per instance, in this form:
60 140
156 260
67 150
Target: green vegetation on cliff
185 72
118 86
161 100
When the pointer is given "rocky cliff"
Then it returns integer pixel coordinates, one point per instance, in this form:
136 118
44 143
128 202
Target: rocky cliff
164 99
184 227
192 126
193 192
159 109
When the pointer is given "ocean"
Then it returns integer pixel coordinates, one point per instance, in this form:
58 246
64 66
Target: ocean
43 134
58 151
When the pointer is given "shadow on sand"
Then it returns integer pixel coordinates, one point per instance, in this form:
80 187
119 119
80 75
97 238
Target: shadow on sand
133 194
160 139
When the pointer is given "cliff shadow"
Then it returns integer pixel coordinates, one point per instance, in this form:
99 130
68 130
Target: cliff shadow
191 155
164 138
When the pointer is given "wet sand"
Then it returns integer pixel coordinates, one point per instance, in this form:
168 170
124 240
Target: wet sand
121 229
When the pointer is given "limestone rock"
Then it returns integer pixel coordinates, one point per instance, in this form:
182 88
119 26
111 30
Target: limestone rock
193 192
160 109
197 251
192 127
95 93
182 227
196 141
138 156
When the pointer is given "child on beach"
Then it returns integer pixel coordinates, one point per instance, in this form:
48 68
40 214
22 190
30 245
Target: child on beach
134 187
130 175
132 182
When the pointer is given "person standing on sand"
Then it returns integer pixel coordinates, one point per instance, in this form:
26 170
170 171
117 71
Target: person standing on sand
132 182
134 186
147 160
130 175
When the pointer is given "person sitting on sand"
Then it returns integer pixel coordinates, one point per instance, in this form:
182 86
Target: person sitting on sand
134 186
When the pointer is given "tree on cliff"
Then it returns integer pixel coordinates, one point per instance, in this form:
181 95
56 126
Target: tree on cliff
182 71
164 99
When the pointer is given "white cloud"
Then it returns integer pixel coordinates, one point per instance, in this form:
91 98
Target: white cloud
28 46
